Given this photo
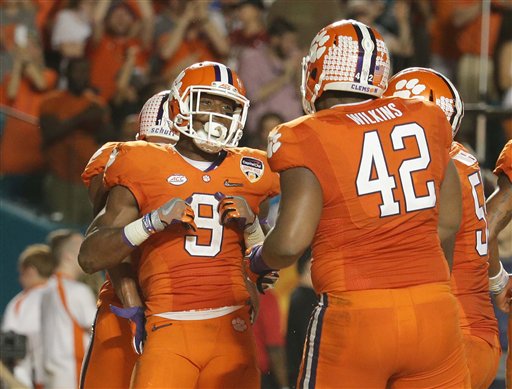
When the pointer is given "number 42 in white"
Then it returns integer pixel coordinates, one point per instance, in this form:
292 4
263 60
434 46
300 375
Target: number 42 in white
373 157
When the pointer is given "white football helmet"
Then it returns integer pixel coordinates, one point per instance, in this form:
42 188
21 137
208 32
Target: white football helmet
210 78
154 118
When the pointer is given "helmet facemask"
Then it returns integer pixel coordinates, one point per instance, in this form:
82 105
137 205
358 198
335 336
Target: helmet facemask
214 134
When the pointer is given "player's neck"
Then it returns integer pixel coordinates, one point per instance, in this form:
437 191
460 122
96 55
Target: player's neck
187 148
332 98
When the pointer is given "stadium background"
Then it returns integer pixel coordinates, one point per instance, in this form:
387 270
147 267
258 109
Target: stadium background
135 47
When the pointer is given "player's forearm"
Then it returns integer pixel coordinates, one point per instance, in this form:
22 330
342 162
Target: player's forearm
218 40
36 75
103 249
494 257
499 212
464 15
175 39
125 285
15 79
280 250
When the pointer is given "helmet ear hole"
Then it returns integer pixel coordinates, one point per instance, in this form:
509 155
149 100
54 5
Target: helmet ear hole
314 73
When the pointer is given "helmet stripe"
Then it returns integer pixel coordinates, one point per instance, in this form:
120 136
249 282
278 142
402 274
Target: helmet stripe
368 54
223 74
160 113
374 56
217 72
230 76
359 66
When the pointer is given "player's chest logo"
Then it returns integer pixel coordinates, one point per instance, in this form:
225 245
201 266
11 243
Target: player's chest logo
252 168
230 184
177 179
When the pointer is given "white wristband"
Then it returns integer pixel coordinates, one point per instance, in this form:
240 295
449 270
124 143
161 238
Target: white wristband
253 234
499 282
135 233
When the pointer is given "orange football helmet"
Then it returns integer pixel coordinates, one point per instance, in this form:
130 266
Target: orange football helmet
344 56
154 118
432 86
214 79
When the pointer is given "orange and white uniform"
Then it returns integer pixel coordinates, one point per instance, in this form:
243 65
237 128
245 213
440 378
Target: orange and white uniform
67 314
198 325
470 282
386 303
111 336
504 167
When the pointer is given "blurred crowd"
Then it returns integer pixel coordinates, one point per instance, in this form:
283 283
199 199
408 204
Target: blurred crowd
75 73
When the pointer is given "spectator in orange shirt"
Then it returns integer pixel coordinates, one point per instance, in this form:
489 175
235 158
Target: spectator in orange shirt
445 52
467 18
114 33
21 93
72 121
195 38
23 88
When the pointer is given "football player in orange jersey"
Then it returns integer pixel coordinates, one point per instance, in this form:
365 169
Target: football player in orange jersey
499 208
112 336
190 271
469 279
370 184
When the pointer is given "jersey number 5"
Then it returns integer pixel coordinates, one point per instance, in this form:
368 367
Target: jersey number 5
373 158
481 245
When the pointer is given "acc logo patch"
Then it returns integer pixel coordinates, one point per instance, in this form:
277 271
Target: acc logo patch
252 168
177 179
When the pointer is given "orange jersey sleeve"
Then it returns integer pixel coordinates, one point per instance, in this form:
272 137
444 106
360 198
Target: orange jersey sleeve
380 165
97 163
180 269
504 163
470 283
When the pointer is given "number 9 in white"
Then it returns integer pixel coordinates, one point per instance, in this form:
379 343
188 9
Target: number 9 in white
210 223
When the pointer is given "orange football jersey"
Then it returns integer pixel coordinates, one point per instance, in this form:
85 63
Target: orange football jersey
504 163
181 270
96 164
380 164
470 283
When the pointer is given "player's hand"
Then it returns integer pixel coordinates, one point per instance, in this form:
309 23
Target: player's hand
503 299
263 278
235 209
137 321
175 211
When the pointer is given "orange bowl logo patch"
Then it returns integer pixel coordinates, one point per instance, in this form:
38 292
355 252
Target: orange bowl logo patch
252 168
